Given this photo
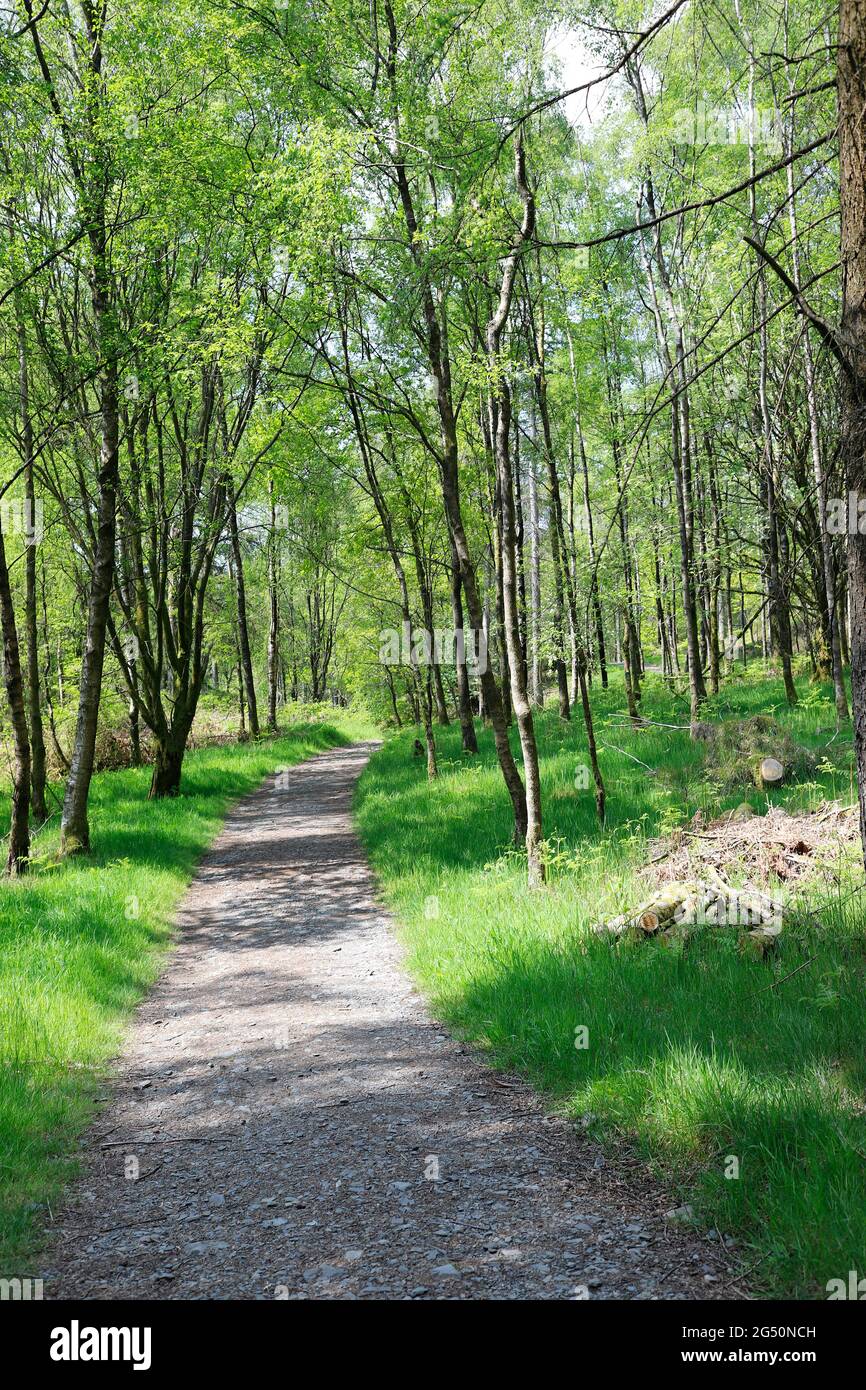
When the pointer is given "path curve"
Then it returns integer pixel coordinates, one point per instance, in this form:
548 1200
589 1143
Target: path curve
289 1102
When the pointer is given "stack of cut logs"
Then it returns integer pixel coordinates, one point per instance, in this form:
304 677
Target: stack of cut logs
676 908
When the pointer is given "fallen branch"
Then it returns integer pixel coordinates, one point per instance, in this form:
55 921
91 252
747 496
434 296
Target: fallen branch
611 747
789 976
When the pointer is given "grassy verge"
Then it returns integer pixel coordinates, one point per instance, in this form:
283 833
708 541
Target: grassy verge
697 1056
81 941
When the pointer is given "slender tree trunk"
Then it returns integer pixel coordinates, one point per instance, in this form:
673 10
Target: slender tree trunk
519 694
500 430
521 549
438 690
464 697
243 629
19 828
590 535
590 526
661 621
630 668
567 585
673 359
427 705
536 688
851 96
571 560
501 642
412 702
714 571
392 692
242 713
134 735
600 794
75 829
780 614
274 624
34 704
439 694
632 658
697 687
828 566
556 529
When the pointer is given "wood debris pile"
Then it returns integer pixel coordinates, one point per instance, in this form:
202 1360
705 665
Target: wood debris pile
769 850
690 873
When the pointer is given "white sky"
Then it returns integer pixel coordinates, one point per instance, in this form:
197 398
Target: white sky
566 48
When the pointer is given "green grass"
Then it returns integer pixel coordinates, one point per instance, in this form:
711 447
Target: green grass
693 1056
81 941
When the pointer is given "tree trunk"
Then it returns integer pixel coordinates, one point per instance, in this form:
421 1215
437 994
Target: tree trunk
134 734
590 527
167 767
632 664
556 529
501 639
391 691
590 535
243 628
74 829
520 539
566 581
673 359
519 694
828 566
274 617
500 430
600 795
242 725
34 707
274 625
780 615
851 95
19 829
464 697
536 689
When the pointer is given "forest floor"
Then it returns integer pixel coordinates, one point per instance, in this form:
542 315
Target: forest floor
288 1121
740 1082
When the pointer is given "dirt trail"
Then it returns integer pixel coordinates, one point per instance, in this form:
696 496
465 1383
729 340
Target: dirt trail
289 1104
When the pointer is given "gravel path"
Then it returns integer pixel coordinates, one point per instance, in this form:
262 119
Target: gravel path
301 1128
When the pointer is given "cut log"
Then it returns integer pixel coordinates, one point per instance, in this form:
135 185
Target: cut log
769 773
651 915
